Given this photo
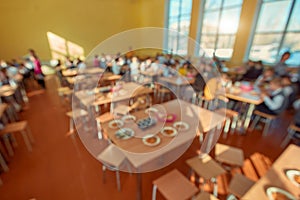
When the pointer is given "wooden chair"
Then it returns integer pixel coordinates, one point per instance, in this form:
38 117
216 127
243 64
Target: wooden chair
162 93
253 168
65 94
268 120
112 158
17 127
239 185
108 116
206 168
231 118
174 185
292 130
74 114
3 163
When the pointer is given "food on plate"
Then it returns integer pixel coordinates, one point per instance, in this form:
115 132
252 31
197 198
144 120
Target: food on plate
151 140
169 131
279 196
297 178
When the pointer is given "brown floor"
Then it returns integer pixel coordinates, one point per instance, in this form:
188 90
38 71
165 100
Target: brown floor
61 168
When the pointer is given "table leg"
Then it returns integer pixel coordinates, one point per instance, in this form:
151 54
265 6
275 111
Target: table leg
139 186
248 116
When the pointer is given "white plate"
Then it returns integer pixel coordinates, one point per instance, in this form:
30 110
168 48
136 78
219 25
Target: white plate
128 118
291 174
169 129
151 110
124 133
151 143
271 190
115 124
183 126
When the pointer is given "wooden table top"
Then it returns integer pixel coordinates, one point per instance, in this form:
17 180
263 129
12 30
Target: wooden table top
70 72
246 97
205 167
189 113
95 98
7 90
229 155
178 81
276 176
174 185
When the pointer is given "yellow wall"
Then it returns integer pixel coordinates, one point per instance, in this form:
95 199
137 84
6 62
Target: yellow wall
24 24
87 23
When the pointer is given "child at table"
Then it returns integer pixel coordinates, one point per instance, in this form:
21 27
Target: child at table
266 77
289 90
275 103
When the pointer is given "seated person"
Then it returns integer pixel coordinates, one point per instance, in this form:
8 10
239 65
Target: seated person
296 105
254 70
289 90
191 72
226 82
183 70
275 103
281 67
266 77
116 68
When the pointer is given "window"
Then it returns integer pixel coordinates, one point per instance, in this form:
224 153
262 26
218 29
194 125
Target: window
219 26
179 17
277 33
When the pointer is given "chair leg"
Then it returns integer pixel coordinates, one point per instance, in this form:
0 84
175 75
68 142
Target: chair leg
154 190
215 191
7 145
254 123
13 140
287 138
100 136
118 179
234 124
226 128
267 126
103 174
29 133
3 163
26 140
201 137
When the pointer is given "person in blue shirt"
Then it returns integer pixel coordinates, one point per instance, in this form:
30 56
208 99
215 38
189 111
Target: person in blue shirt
116 68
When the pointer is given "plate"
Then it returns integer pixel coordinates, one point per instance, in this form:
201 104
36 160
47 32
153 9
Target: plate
181 126
151 140
294 176
128 118
281 194
124 133
115 124
151 110
167 118
169 131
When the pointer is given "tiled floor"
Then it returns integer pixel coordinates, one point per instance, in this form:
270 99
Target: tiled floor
61 168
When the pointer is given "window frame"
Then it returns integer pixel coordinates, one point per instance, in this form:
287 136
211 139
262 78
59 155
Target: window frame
178 21
217 34
283 33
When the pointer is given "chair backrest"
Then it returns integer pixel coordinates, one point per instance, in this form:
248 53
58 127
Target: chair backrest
112 155
210 89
